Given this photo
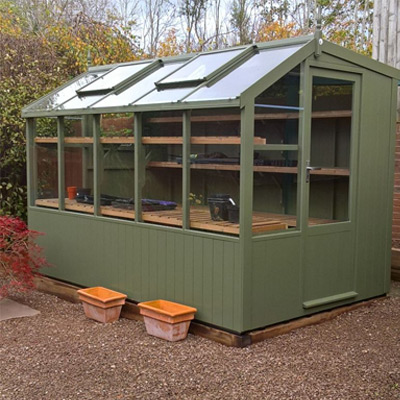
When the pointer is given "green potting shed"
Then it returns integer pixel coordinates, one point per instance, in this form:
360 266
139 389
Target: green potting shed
254 183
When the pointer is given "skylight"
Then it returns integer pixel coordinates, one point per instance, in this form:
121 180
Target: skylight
196 70
112 79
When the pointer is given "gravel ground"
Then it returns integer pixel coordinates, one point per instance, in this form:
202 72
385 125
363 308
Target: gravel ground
60 354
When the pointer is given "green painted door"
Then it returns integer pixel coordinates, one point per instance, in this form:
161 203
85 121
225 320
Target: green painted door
329 179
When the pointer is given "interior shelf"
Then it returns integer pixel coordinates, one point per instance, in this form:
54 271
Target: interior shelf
153 140
118 140
87 140
256 168
199 140
236 117
199 217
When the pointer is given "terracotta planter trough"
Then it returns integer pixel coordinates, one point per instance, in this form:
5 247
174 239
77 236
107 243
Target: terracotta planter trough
101 304
167 320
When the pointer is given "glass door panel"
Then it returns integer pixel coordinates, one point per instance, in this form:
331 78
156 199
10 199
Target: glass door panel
328 170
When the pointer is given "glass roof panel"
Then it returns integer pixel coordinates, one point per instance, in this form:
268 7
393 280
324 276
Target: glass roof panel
114 77
137 90
52 101
164 96
201 66
240 79
80 102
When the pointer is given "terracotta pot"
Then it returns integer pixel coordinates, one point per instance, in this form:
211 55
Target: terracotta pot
167 320
101 304
71 190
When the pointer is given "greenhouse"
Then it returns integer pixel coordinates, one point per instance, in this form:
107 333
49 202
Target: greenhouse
254 183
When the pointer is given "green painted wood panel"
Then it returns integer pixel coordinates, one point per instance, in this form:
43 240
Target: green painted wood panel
276 282
145 262
374 178
328 265
188 281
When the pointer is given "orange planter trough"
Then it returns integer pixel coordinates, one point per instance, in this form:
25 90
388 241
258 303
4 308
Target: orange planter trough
167 320
101 304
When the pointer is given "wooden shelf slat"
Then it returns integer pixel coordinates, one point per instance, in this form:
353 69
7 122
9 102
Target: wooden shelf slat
154 140
332 171
199 217
87 140
264 116
118 140
256 168
46 139
199 140
78 140
171 164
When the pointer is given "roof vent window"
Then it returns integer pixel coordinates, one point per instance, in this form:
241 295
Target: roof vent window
201 68
111 80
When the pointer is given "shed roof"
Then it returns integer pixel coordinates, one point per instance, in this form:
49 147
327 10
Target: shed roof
209 79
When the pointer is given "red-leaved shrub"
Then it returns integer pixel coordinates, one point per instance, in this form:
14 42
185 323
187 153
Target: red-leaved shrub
20 256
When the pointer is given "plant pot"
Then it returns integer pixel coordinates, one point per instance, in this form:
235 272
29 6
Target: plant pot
218 204
233 214
71 190
101 304
83 191
167 320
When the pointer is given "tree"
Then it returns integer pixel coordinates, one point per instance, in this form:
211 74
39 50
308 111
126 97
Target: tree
192 13
241 15
31 65
158 17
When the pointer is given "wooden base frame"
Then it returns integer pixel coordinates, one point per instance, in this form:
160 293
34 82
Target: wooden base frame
131 310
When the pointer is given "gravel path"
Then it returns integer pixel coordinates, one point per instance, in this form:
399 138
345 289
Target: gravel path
60 354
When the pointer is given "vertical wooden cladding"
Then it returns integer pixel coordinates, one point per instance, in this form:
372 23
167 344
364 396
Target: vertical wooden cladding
146 263
373 199
276 281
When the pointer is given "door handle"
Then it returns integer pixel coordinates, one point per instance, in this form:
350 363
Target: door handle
309 168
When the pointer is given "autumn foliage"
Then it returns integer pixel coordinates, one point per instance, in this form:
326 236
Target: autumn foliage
20 256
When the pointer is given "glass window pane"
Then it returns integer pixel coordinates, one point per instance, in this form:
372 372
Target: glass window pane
274 199
46 127
117 165
330 150
235 83
138 89
46 163
277 111
109 80
46 176
201 66
117 126
53 101
117 181
329 199
78 127
78 163
215 171
162 190
276 123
